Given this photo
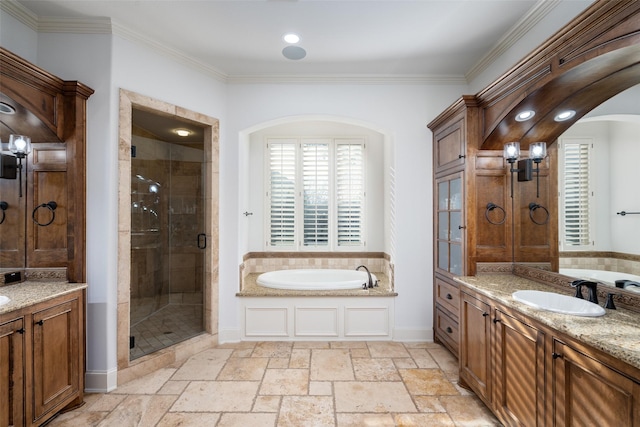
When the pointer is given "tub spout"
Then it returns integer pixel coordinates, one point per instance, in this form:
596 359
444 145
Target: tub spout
371 284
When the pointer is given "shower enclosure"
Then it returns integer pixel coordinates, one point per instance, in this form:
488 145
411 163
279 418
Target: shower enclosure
167 234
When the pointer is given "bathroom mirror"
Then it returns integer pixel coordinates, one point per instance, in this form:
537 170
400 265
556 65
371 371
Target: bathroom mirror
609 247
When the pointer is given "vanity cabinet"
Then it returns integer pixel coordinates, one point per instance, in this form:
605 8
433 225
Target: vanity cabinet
590 391
12 345
531 375
42 349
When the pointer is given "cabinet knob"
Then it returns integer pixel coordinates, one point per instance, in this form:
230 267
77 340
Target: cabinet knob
461 156
20 331
485 314
496 320
449 296
461 227
40 322
556 355
449 330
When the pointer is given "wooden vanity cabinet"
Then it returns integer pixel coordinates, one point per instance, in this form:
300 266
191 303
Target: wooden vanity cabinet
12 345
590 391
44 345
531 375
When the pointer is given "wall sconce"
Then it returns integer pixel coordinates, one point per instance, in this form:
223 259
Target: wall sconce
20 145
537 153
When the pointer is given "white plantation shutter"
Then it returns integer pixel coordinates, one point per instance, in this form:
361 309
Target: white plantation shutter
282 192
315 193
315 184
350 193
576 194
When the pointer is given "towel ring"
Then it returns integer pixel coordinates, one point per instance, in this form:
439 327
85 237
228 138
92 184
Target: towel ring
491 206
3 207
532 207
51 206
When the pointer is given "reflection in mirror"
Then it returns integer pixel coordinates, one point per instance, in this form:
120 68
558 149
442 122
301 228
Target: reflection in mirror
596 182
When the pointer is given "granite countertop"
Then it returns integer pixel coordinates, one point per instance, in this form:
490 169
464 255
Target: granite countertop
252 289
31 292
616 333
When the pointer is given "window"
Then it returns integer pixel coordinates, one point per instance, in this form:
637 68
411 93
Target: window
315 193
576 194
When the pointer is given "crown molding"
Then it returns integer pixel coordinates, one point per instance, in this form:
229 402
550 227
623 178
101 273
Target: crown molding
20 13
541 9
55 24
365 79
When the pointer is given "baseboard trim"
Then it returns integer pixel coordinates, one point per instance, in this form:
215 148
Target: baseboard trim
100 381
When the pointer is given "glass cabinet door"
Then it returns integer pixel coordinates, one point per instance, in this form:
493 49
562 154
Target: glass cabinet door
449 225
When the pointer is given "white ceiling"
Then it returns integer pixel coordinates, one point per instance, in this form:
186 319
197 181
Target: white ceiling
242 38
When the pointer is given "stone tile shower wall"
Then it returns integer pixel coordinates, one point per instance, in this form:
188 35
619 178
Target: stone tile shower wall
256 263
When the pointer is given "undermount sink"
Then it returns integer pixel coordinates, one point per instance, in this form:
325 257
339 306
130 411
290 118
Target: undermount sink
4 300
558 303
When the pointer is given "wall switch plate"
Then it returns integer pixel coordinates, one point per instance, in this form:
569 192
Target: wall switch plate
14 276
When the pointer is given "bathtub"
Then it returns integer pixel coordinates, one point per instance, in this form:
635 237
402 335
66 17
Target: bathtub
602 276
315 279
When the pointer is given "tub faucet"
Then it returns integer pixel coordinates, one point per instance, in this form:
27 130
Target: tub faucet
368 274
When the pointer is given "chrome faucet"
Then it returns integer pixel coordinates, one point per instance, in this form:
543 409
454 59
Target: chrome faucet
368 274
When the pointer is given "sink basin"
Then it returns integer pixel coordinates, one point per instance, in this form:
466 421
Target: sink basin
557 303
4 300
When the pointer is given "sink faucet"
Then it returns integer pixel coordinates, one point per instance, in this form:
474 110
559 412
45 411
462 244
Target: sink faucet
368 274
593 289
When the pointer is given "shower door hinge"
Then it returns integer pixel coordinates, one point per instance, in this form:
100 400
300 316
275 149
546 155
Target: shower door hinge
132 342
133 151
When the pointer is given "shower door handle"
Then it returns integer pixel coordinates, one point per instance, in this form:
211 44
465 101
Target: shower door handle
202 241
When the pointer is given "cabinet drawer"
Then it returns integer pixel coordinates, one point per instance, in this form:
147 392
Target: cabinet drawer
447 330
448 296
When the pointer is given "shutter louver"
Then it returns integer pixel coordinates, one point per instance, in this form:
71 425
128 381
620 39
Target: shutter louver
576 195
350 193
282 163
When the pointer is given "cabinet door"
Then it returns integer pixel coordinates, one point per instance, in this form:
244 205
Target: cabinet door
475 345
449 147
518 387
586 392
12 373
56 348
449 227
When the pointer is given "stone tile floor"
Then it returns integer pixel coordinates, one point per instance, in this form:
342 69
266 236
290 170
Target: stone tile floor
297 384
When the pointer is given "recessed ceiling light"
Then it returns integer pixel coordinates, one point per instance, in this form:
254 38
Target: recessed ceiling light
525 115
183 132
6 108
291 38
294 52
564 115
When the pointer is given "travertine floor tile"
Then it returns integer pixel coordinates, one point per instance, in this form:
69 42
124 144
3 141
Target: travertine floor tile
355 396
275 384
173 419
307 411
203 366
375 370
387 349
148 384
331 365
365 420
217 396
244 369
285 382
431 382
247 420
468 411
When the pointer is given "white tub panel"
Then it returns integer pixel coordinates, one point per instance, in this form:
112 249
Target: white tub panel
266 322
316 322
366 321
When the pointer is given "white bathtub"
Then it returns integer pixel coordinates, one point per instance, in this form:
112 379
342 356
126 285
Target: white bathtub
315 279
606 277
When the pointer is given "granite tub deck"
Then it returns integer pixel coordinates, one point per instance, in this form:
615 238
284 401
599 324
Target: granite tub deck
251 289
616 333
31 292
